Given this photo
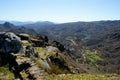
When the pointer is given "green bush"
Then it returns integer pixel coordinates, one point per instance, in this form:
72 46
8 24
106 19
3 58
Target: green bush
91 57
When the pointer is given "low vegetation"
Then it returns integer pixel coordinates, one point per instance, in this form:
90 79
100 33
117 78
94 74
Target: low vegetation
40 51
85 77
43 53
91 57
5 74
57 70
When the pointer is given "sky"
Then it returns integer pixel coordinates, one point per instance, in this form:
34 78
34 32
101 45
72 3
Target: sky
59 10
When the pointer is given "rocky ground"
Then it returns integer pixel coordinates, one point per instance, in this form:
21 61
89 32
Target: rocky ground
33 58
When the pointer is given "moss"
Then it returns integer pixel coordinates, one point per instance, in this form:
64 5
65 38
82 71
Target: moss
26 35
27 44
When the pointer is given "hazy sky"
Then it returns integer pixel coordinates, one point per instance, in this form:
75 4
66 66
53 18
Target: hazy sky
59 10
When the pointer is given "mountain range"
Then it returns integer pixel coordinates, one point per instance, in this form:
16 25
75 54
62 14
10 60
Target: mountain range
21 23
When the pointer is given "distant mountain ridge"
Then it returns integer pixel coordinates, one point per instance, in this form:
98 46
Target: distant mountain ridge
9 27
39 24
22 23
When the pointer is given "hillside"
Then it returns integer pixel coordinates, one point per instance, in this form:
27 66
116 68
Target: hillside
27 57
102 37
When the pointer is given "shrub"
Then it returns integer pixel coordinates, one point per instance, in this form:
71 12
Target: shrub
91 57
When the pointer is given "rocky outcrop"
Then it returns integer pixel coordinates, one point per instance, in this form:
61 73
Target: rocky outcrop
36 41
31 68
9 43
37 58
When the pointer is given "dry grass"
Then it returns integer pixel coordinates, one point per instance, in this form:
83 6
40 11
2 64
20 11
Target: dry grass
86 77
41 52
5 74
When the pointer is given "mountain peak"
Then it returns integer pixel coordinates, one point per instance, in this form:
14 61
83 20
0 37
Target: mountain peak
8 25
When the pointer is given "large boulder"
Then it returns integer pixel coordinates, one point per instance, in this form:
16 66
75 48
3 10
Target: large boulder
9 43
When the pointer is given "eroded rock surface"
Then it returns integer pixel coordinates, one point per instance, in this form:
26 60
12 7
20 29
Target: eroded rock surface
9 43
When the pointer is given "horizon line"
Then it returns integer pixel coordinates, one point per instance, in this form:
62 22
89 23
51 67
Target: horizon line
57 21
